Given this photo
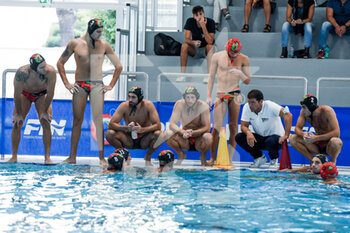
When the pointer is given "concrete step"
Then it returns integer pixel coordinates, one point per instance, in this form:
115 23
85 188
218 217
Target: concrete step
265 45
257 18
287 92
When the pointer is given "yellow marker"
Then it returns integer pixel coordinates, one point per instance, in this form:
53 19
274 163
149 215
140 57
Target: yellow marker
222 158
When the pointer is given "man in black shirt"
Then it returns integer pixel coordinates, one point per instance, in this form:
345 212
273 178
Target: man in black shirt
199 37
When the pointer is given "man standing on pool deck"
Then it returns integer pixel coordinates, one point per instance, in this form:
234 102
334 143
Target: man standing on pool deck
89 51
324 120
142 127
194 116
265 117
230 66
34 82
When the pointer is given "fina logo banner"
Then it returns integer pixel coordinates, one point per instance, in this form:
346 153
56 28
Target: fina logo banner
34 130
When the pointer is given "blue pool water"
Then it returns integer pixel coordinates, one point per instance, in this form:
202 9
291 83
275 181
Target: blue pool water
66 198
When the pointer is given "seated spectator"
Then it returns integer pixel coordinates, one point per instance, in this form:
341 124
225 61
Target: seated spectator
199 37
219 6
248 9
299 17
338 22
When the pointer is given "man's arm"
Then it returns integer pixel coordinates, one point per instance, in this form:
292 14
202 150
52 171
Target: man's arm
205 122
188 40
300 125
334 125
62 60
287 118
245 76
154 119
213 68
115 61
339 30
209 37
175 118
114 123
51 76
310 15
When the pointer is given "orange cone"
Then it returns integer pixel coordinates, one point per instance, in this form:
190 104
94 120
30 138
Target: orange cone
285 158
222 158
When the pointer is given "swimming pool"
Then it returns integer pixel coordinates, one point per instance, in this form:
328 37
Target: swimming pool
66 198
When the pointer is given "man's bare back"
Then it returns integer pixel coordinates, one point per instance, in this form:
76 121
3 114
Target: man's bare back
34 82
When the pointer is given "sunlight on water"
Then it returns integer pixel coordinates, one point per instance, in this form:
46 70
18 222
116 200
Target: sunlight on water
66 198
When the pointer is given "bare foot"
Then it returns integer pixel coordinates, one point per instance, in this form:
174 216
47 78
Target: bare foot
148 164
12 160
48 161
70 160
211 162
104 163
205 164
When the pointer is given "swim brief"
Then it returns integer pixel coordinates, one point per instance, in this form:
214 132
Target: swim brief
322 145
227 96
88 85
192 142
33 96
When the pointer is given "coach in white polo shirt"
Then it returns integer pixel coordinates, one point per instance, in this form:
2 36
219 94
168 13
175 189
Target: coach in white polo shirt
265 118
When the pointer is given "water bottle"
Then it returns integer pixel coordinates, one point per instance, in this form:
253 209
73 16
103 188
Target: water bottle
291 51
133 135
326 52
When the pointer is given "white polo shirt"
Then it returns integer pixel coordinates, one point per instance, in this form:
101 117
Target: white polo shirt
267 122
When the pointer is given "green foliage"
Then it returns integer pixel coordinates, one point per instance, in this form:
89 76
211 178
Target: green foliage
83 17
54 39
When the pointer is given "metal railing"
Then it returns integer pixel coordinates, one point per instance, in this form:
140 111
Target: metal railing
109 72
163 75
176 75
327 79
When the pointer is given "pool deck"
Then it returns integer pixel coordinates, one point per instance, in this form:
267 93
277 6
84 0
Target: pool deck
139 162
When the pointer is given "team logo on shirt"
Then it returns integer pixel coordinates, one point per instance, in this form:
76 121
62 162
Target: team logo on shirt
264 119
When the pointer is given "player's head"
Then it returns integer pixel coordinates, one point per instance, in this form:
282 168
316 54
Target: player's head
166 158
115 162
191 95
135 92
317 162
37 63
233 47
309 102
95 34
329 171
124 152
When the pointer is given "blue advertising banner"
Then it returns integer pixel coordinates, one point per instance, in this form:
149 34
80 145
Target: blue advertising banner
62 121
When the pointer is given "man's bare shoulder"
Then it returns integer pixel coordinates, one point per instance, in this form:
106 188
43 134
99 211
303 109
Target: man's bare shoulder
50 68
220 53
148 103
22 73
202 105
325 109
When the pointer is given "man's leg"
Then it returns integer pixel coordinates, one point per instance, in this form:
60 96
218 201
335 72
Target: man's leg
148 142
247 10
306 149
39 104
178 144
234 107
267 11
78 103
209 51
16 130
333 148
220 109
272 146
324 32
185 50
119 139
97 103
203 144
254 151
